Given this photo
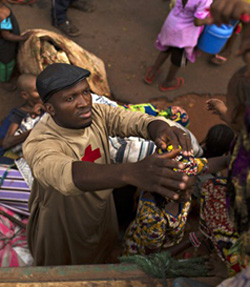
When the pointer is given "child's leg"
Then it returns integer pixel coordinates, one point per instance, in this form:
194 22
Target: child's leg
178 59
152 71
170 80
59 11
162 57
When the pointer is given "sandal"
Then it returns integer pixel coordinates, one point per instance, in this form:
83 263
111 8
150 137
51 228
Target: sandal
149 80
180 83
218 59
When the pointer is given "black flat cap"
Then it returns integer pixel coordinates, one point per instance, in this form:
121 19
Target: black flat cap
57 77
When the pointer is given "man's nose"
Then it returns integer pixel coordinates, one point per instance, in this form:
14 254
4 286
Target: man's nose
82 101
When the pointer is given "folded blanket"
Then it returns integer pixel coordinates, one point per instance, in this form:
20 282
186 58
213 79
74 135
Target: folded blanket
45 47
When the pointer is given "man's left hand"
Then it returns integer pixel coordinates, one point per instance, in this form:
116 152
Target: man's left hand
163 135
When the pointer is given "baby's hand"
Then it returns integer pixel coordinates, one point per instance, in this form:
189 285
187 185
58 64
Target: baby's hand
217 107
37 110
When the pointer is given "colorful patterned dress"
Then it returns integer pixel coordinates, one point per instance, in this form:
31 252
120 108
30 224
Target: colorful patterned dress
216 225
154 226
225 206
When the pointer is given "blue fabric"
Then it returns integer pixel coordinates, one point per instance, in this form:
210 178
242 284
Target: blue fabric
150 111
6 24
4 128
6 161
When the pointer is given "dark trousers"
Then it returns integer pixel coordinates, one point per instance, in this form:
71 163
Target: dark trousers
59 11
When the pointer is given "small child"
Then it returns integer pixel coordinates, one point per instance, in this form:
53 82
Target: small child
9 38
218 141
32 106
160 221
178 38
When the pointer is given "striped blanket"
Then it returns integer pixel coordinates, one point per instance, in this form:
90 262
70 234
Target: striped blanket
14 191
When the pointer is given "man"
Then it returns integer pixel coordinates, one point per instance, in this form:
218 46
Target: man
59 15
73 218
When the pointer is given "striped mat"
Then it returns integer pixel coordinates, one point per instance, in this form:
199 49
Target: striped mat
14 191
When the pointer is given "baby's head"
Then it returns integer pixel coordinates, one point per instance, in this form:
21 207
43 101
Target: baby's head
26 83
238 92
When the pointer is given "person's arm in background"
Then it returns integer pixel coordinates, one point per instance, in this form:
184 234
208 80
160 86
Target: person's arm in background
10 140
8 36
217 107
222 11
6 31
219 163
200 22
202 12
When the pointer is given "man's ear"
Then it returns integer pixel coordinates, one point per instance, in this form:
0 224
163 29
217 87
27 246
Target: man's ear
50 109
24 95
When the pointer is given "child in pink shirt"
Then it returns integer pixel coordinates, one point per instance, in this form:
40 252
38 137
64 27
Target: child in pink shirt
178 38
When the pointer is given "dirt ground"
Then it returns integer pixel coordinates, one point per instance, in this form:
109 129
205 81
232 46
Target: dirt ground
122 34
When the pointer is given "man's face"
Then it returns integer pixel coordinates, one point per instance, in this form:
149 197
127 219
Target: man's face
71 107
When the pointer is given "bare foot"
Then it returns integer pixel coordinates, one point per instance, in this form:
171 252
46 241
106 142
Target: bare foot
169 84
172 85
151 75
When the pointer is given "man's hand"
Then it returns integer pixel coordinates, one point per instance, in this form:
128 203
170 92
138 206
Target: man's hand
163 134
217 107
155 174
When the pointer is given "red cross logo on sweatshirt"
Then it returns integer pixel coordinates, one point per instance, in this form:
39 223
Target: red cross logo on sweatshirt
91 155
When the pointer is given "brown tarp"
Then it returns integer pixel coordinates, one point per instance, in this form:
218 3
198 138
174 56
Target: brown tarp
45 47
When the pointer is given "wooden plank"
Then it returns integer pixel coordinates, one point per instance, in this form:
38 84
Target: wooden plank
115 283
72 273
108 275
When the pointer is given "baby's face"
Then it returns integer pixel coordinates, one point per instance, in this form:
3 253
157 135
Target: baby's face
32 91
